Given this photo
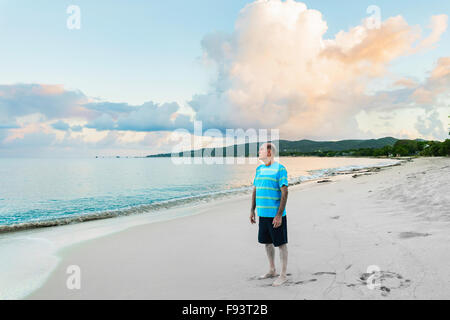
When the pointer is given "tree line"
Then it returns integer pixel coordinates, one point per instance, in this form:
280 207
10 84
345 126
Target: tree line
400 148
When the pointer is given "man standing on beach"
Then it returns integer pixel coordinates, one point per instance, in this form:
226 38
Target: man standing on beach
269 198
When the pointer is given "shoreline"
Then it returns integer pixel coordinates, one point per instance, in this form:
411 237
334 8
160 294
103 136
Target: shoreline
332 243
177 202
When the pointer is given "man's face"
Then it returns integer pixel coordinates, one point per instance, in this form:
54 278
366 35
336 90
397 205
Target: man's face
264 153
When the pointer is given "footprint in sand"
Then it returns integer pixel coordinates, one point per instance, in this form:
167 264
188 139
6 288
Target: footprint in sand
321 273
411 234
384 281
301 282
289 282
259 279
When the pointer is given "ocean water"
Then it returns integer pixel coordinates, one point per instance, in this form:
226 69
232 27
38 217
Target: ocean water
39 192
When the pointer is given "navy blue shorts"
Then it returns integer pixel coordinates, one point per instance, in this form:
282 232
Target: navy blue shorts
268 234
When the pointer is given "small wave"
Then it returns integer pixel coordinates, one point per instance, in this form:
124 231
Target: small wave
315 174
124 212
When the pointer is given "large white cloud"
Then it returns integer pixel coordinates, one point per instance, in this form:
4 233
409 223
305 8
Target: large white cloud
276 70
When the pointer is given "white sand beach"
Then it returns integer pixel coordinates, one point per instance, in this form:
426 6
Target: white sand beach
396 220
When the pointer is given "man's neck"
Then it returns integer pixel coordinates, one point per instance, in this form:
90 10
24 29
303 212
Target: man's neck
268 162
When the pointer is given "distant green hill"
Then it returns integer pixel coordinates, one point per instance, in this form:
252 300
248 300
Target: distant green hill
293 147
312 146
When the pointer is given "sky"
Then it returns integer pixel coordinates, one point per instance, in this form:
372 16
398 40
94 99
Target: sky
122 77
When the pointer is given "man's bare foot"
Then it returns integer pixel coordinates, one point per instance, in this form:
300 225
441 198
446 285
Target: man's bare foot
268 275
280 280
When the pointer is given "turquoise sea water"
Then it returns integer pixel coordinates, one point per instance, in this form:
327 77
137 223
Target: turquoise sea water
33 191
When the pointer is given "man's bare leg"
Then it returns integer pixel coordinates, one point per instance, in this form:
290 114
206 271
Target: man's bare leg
284 259
270 250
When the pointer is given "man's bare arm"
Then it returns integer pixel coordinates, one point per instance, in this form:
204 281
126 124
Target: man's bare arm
252 211
284 195
254 199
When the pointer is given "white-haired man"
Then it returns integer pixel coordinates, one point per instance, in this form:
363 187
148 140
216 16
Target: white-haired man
269 199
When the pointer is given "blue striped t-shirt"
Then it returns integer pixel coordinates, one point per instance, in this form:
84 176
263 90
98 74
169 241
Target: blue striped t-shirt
268 182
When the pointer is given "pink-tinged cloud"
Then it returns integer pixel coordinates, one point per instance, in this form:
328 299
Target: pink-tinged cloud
368 47
438 26
47 90
436 85
276 70
52 101
442 69
406 82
